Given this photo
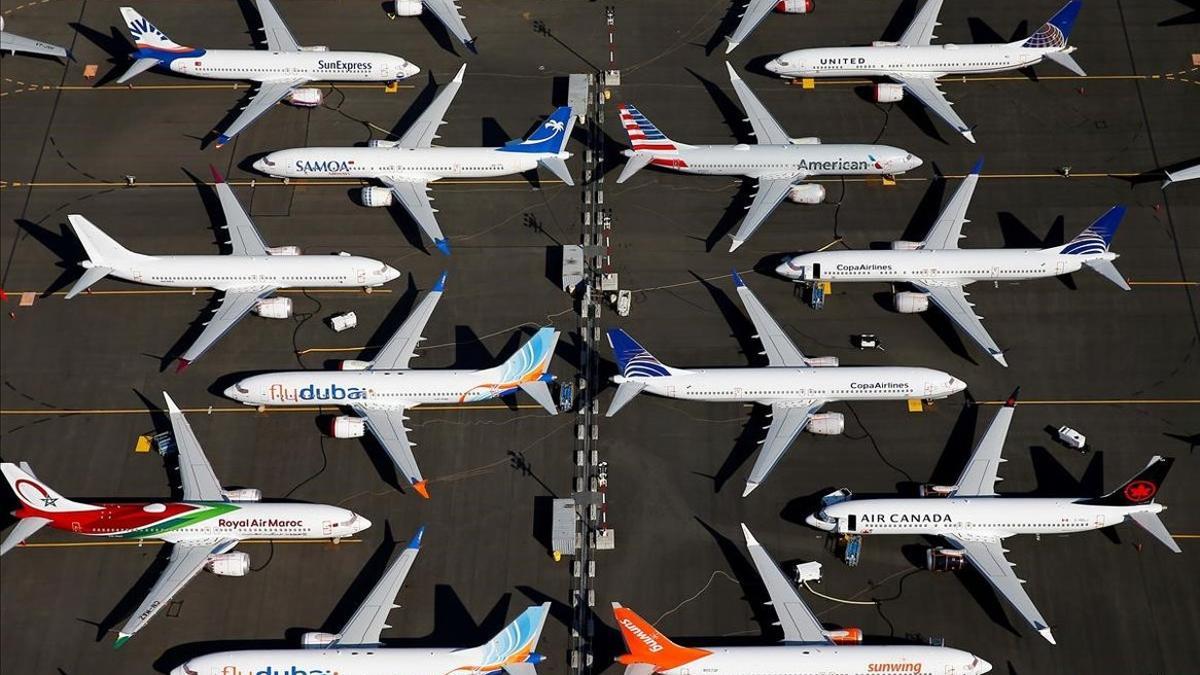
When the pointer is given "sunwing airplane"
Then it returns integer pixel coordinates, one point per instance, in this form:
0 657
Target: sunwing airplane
940 271
10 42
776 162
754 11
807 646
407 166
975 520
203 528
379 391
279 71
358 649
248 277
446 11
914 65
795 386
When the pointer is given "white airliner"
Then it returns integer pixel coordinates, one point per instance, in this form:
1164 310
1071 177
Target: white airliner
357 649
940 271
280 71
379 391
754 11
976 520
914 65
777 163
807 646
407 166
795 386
248 277
203 528
12 43
446 11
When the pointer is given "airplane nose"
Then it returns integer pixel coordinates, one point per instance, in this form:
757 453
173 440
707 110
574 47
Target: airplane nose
914 161
261 166
409 69
391 272
233 393
361 524
957 385
982 666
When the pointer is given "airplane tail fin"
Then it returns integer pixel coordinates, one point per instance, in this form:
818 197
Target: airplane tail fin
634 362
645 645
1057 29
1098 236
37 497
512 650
1139 490
643 135
529 368
551 137
103 252
146 35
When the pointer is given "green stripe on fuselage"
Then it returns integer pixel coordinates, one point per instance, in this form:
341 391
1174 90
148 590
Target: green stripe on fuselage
208 511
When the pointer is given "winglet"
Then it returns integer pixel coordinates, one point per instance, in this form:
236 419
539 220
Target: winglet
978 167
470 44
750 487
182 366
750 540
171 407
222 140
217 177
732 73
1012 398
420 487
1045 632
737 280
459 76
442 245
415 542
122 638
441 284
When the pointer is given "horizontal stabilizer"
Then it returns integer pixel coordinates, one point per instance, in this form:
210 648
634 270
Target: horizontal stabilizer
1066 61
626 391
523 668
634 165
140 66
1150 522
23 530
90 276
539 392
558 167
1106 269
639 669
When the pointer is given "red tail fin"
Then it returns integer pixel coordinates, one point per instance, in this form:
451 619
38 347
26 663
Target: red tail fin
647 645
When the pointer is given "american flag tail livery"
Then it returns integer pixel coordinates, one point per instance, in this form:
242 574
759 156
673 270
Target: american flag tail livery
643 135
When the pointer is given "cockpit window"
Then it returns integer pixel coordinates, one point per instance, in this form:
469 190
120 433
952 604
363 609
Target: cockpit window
241 389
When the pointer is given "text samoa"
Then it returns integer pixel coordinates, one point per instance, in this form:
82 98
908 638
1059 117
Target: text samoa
323 166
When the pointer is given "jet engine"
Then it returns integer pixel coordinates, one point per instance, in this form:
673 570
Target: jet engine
314 640
827 424
884 43
315 48
306 97
822 362
243 495
283 250
846 636
347 426
274 308
808 193
380 143
352 364
235 564
886 92
905 245
408 7
805 140
940 559
907 302
794 6
931 490
376 197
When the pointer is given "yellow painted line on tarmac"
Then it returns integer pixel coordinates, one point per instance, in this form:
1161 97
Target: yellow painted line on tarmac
98 185
155 542
244 409
1101 401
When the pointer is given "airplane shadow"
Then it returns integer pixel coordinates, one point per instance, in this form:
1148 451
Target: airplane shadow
727 25
114 44
62 244
731 111
1192 16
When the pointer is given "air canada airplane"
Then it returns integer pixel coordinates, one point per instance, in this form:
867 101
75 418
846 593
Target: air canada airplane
203 528
754 11
446 11
795 386
16 43
914 65
975 520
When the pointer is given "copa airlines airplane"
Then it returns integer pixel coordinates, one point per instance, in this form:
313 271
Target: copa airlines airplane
12 43
976 520
754 11
407 166
795 386
777 163
940 271
446 11
807 646
203 528
914 65
248 277
279 72
358 650
381 390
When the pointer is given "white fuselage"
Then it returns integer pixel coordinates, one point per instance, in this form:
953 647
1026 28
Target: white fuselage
336 661
423 164
265 66
808 159
222 272
914 61
382 389
833 660
930 266
775 384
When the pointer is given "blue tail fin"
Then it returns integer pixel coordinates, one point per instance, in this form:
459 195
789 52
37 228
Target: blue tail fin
632 358
1056 31
551 136
1098 236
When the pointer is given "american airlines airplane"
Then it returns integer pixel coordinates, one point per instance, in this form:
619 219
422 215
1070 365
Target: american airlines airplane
407 166
358 649
807 646
203 528
381 390
281 71
248 277
975 520
914 65
446 11
777 163
793 385
940 271
754 11
13 43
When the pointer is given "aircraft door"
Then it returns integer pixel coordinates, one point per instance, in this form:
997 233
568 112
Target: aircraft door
816 270
137 274
362 276
852 523
326 528
1061 268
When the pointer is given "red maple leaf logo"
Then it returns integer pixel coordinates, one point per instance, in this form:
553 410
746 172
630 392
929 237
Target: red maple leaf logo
1140 490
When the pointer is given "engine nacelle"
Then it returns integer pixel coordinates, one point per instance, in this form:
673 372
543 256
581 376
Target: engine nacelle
314 640
886 92
931 490
380 143
794 6
236 564
351 364
315 48
408 7
808 193
274 308
376 197
347 426
884 43
827 424
822 362
243 495
939 559
806 140
901 245
283 250
907 302
846 636
305 97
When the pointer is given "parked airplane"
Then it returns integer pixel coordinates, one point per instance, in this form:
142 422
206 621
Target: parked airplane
10 42
358 648
407 166
754 11
776 162
446 11
380 391
940 271
914 65
975 520
203 528
807 646
280 71
795 386
248 277
1180 175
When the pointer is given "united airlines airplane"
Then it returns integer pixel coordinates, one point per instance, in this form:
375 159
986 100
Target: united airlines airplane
445 11
793 385
754 11
12 43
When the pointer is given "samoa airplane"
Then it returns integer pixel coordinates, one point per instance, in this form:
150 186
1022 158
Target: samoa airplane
202 529
807 646
379 391
940 271
754 11
914 65
248 277
793 385
778 163
445 11
357 649
12 43
975 520
407 166
280 71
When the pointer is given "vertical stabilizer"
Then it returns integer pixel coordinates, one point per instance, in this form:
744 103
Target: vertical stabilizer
645 645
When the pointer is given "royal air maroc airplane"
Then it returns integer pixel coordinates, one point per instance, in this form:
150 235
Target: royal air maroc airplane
357 649
777 163
793 385
379 391
248 276
203 528
754 11
16 43
807 646
280 71
446 11
914 65
940 271
975 520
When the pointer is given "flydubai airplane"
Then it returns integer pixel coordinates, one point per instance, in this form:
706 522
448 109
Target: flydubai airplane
12 43
795 386
754 11
203 529
779 164
379 391
248 277
807 646
976 520
407 166
940 271
446 11
358 649
281 71
914 65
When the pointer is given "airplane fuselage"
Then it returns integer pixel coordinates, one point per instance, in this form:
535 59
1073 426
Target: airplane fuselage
221 272
810 159
264 66
338 661
425 164
935 264
910 61
774 384
833 660
382 389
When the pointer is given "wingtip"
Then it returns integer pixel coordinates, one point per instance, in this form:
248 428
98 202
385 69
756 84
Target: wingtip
171 407
217 177
182 365
750 540
1045 632
737 280
443 245
122 638
978 166
750 487
222 140
733 75
736 244
415 542
730 46
421 486
441 284
458 77
470 45
1012 398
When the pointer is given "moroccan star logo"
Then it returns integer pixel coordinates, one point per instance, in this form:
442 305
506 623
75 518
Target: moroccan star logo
49 501
1140 490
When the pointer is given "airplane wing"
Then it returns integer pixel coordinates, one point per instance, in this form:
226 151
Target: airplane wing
926 90
200 483
413 195
771 190
399 349
947 229
420 134
387 426
920 31
987 556
767 129
755 12
978 478
243 235
369 620
267 95
279 38
799 624
236 303
952 300
779 348
787 421
16 43
446 11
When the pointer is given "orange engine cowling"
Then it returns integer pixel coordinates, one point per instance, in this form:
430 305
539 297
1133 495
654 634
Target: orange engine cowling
846 636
